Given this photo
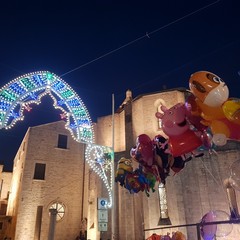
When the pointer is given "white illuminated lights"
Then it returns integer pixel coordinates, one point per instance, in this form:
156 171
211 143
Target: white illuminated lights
28 89
18 94
100 160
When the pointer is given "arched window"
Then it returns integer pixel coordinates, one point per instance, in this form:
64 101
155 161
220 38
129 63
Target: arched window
160 102
164 218
60 207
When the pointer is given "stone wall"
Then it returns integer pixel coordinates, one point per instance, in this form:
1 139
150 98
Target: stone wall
6 178
193 192
63 183
104 131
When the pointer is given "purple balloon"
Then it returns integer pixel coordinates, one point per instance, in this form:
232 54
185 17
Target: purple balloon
208 232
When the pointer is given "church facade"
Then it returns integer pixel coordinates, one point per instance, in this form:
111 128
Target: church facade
50 172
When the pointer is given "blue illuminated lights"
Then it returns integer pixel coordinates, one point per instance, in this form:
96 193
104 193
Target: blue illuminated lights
30 88
20 93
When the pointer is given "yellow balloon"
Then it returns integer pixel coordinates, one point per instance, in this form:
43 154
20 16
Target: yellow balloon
231 109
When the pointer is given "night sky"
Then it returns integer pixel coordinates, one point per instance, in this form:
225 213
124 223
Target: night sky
102 48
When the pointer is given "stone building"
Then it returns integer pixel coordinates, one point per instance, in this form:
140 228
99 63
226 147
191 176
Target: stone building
50 172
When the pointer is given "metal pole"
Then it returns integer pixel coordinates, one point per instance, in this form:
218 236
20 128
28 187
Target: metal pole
198 225
113 173
53 216
198 232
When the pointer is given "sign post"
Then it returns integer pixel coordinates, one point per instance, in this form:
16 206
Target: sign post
102 215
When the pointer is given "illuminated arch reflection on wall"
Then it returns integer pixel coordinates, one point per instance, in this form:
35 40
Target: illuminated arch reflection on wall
28 89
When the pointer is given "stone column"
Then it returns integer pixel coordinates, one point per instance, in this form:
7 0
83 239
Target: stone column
53 216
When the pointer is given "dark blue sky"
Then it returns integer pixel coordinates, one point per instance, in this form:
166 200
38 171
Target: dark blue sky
137 45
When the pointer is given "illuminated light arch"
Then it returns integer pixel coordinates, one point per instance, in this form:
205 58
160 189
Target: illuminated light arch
100 159
17 95
20 93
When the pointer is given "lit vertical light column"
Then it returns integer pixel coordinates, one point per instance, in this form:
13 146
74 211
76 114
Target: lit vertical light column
100 160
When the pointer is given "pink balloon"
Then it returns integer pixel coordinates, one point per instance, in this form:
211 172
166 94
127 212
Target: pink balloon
175 125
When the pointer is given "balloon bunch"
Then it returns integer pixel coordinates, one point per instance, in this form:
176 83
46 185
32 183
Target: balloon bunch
155 163
207 119
140 179
154 154
211 104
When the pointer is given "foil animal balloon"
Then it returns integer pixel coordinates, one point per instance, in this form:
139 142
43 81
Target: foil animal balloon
123 168
182 139
211 96
209 89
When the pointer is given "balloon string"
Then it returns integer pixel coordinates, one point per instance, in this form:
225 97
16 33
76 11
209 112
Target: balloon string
216 181
226 195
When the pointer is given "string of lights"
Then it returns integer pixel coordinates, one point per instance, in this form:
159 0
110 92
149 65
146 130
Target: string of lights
19 94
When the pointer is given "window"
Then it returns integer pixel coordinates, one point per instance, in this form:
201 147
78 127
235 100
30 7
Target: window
164 218
60 207
161 102
39 172
3 209
38 223
62 141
